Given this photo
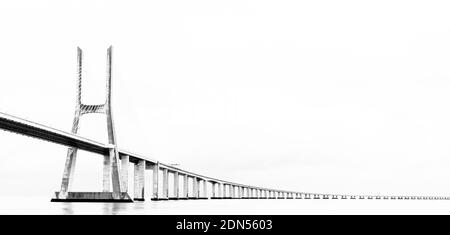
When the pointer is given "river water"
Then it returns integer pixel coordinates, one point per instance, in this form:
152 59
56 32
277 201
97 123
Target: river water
42 205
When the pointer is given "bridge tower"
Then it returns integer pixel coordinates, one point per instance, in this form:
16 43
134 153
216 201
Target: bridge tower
111 170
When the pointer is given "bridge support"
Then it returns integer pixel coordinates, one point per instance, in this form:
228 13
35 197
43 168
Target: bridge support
220 190
225 195
213 190
155 182
176 182
165 185
195 188
139 180
186 186
125 160
111 170
205 189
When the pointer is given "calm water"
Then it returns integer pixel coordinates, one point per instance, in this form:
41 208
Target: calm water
42 205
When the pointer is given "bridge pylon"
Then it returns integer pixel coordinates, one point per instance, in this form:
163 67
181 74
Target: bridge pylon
111 170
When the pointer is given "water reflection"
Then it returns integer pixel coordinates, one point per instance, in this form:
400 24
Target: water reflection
15 205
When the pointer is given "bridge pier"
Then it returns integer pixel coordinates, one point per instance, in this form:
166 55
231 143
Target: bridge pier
139 180
196 188
186 186
155 182
165 186
224 191
220 190
176 182
106 173
125 167
232 191
205 189
213 190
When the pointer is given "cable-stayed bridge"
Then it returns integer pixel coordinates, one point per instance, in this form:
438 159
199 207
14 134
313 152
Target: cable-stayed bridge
116 162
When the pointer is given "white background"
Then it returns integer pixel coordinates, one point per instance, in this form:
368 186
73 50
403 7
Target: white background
317 96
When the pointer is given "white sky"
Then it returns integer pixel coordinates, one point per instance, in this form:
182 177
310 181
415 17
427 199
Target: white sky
322 96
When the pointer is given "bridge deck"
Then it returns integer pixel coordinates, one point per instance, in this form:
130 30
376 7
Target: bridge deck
32 129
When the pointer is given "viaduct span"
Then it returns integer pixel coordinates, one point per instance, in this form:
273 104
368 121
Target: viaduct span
116 162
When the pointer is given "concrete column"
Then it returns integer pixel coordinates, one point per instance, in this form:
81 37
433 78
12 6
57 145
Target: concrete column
125 166
106 173
186 186
156 181
224 192
232 191
195 187
176 182
165 183
205 189
139 180
213 190
220 190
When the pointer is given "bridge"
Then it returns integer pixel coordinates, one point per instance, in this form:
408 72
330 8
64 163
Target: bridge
116 162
